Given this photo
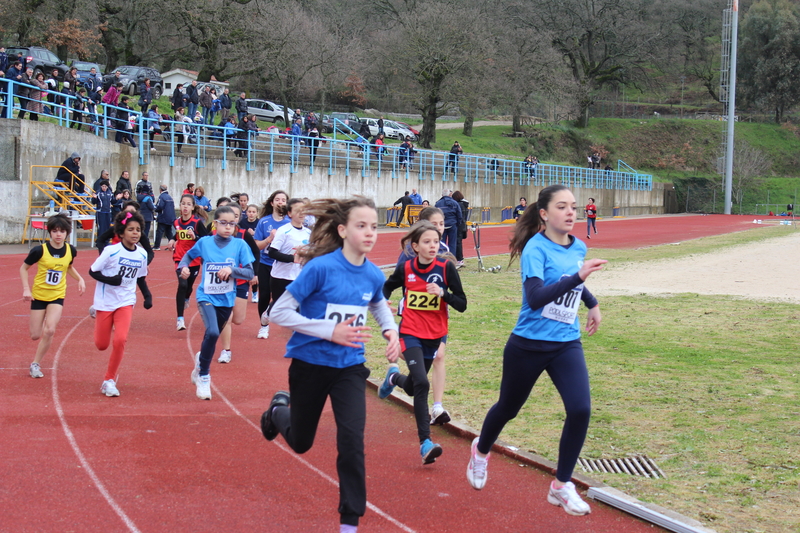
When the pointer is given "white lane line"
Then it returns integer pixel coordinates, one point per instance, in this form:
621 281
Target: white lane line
72 442
284 448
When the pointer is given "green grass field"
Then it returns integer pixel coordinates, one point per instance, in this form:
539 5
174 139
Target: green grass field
707 386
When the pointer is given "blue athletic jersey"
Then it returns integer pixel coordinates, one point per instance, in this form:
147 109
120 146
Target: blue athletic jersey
542 258
265 226
330 287
212 289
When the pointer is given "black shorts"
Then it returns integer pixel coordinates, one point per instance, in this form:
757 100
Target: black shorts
242 290
39 305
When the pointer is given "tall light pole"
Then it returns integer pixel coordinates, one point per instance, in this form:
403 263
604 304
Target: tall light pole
731 108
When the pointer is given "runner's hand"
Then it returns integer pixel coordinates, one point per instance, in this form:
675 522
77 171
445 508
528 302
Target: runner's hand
592 265
347 335
393 346
593 320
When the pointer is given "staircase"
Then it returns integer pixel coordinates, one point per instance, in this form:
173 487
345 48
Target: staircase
47 192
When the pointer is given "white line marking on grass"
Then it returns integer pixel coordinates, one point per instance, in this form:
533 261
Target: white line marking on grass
284 448
72 442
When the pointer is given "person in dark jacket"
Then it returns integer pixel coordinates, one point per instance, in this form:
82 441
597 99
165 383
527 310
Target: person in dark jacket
206 101
145 96
123 183
225 104
123 126
147 209
178 97
453 156
247 130
99 181
462 226
404 202
70 172
452 218
165 207
103 198
241 107
192 98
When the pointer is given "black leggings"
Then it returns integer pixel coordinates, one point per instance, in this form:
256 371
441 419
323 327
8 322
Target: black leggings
277 286
264 275
310 386
185 288
416 384
524 361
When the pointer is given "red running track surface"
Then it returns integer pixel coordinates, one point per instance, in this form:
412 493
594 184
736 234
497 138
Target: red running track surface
158 459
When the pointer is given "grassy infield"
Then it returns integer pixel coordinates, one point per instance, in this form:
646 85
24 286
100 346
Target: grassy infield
707 386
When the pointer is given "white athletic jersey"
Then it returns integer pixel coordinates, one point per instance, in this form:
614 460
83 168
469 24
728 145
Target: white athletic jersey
287 240
116 259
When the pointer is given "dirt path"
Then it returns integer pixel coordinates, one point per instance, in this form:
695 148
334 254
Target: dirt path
767 270
459 125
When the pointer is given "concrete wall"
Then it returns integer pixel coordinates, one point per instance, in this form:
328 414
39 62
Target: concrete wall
25 143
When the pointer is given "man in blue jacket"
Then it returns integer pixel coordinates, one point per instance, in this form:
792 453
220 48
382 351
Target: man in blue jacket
165 207
452 218
297 132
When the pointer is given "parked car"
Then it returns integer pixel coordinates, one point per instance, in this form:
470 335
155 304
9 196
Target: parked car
406 126
350 119
39 59
405 130
266 110
390 128
326 124
84 68
133 77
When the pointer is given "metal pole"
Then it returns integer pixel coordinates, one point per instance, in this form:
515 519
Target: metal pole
683 79
731 108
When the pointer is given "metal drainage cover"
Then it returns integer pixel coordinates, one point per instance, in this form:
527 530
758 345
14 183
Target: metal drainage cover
634 465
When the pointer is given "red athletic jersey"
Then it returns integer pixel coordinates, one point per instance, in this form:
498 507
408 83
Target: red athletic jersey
186 234
424 315
591 210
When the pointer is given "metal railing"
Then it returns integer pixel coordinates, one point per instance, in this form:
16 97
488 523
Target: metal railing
345 150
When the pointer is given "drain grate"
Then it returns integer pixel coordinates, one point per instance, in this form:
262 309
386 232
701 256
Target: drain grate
634 465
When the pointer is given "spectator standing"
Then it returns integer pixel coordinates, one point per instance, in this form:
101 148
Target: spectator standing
103 198
201 199
111 98
415 197
53 97
78 107
70 172
452 158
178 97
189 189
458 196
24 92
179 129
3 91
165 207
206 102
153 125
241 107
35 107
452 218
402 154
225 105
99 181
145 96
523 203
123 183
113 81
313 143
404 202
147 208
297 133
3 59
143 186
15 73
380 126
192 98
124 126
215 107
379 149
93 82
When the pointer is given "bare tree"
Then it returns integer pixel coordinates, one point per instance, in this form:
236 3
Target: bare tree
749 165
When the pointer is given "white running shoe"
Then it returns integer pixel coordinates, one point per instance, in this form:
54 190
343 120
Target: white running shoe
196 370
476 469
265 318
92 312
439 416
109 388
567 497
204 387
36 371
224 357
263 332
254 298
181 325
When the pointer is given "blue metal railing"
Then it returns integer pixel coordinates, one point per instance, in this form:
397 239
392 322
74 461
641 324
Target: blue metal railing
344 149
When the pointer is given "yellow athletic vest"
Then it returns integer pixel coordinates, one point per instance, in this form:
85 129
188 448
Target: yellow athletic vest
50 282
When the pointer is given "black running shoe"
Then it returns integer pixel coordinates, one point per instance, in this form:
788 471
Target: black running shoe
268 428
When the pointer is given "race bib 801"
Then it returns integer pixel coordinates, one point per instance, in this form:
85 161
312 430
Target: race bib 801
565 307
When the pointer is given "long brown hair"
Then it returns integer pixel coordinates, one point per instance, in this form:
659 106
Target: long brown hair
196 210
267 209
415 234
531 223
330 213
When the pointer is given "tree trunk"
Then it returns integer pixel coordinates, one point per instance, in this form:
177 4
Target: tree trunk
583 115
468 121
516 121
428 134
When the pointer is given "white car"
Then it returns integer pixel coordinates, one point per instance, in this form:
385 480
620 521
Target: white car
266 110
391 129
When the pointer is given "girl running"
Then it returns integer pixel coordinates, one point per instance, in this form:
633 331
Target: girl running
273 216
591 218
547 337
240 307
439 415
326 306
250 222
118 270
53 260
189 228
430 283
224 259
283 249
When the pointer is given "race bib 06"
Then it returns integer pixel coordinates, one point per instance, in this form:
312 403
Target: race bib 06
339 313
185 234
422 301
212 284
565 307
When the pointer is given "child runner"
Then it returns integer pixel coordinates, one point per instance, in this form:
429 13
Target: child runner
53 260
283 249
189 228
240 307
591 218
547 337
224 259
326 306
430 283
272 217
439 415
118 270
250 223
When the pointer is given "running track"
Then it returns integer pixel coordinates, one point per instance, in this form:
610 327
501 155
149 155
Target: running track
157 459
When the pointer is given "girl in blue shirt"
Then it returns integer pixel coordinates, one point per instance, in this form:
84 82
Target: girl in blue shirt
221 255
327 306
547 337
273 216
